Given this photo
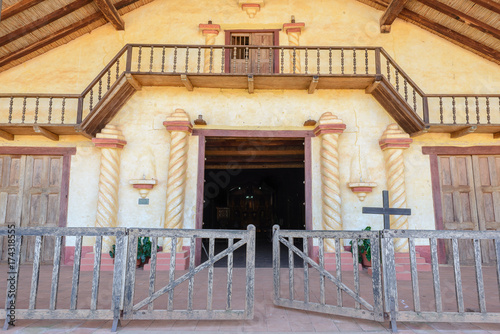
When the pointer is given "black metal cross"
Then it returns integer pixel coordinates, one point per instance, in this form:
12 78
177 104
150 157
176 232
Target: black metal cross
387 211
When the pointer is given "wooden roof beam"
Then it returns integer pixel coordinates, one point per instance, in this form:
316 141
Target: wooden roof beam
467 19
17 8
489 4
47 19
54 37
111 14
391 13
443 31
463 132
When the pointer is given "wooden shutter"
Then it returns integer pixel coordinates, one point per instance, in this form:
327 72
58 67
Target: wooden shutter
251 62
260 63
459 201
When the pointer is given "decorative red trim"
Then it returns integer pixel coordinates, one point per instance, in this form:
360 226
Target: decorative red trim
178 126
22 150
143 186
329 128
250 5
208 32
204 26
293 30
293 27
395 143
362 189
253 133
458 150
109 142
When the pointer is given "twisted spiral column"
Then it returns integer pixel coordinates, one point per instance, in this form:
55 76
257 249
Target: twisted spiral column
393 142
210 31
329 129
180 128
293 30
111 142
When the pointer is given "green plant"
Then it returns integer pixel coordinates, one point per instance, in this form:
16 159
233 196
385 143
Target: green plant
143 249
364 246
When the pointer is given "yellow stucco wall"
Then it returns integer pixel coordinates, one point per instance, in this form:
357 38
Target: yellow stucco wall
436 65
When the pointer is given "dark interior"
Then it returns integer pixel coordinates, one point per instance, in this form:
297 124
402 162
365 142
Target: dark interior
262 197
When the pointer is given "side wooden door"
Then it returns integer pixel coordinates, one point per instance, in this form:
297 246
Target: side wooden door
487 184
30 196
459 202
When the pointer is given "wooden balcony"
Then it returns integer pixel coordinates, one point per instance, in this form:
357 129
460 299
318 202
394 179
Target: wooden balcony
262 68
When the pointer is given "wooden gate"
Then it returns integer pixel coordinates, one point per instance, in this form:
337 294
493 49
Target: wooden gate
358 306
180 308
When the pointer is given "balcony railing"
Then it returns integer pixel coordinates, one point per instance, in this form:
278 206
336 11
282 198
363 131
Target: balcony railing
319 66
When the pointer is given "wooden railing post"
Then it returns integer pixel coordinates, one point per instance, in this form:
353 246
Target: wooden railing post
79 112
377 62
425 104
128 67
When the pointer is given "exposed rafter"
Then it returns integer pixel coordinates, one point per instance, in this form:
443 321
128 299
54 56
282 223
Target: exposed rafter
467 19
111 14
489 4
55 15
18 7
441 30
58 35
390 14
49 39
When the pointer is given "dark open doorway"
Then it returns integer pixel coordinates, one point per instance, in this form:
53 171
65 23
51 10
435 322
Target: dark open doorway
263 183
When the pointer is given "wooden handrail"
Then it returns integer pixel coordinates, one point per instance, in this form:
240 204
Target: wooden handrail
31 95
403 73
105 70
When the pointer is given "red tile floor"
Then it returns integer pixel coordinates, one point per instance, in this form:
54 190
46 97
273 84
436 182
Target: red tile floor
268 318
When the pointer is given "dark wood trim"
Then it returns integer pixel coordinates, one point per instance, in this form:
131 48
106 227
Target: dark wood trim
276 42
308 183
489 4
63 204
23 150
253 133
438 206
200 189
390 14
457 150
462 17
43 21
111 14
18 7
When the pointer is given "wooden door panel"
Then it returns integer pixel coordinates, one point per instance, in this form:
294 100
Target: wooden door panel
11 167
251 60
41 199
486 175
459 202
260 59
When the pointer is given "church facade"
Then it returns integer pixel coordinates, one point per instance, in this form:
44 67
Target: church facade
220 114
